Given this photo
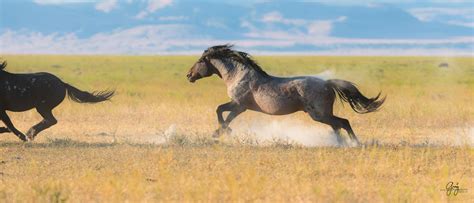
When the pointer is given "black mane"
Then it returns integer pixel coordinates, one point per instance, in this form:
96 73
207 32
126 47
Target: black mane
226 52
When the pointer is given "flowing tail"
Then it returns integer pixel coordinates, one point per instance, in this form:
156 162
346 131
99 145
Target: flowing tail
86 97
349 93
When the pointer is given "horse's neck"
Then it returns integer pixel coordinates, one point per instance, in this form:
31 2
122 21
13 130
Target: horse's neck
233 72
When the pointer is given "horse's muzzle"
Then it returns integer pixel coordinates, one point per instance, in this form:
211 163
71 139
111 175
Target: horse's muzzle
190 78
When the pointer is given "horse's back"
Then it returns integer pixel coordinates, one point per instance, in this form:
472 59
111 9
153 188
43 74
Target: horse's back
297 93
280 96
41 82
24 91
300 83
310 84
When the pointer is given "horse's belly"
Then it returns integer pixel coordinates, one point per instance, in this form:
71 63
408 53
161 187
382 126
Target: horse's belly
19 108
15 102
277 105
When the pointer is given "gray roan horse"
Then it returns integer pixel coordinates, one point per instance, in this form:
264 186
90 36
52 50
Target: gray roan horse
251 88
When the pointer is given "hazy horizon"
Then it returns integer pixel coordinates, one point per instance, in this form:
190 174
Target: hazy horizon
182 27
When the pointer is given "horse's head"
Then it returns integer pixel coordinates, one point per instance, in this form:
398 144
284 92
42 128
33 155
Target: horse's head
201 69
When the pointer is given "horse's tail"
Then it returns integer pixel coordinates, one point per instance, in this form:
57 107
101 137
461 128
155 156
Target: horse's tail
349 93
86 97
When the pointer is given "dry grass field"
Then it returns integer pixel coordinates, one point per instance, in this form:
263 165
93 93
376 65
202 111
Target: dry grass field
152 141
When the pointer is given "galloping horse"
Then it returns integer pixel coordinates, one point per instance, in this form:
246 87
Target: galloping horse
43 91
251 88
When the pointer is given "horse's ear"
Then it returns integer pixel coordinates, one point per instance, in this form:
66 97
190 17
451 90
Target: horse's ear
206 53
3 65
229 46
243 54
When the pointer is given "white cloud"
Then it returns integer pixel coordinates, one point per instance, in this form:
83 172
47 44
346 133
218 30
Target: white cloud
137 40
454 16
216 23
141 15
315 28
271 17
274 35
173 18
153 5
432 13
106 5
376 52
461 23
320 28
373 5
322 40
53 2
276 17
177 39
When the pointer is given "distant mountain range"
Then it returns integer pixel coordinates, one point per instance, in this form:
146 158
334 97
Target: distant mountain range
282 27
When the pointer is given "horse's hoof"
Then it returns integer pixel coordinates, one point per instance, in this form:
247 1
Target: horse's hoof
23 138
216 133
30 138
221 131
354 143
30 135
228 130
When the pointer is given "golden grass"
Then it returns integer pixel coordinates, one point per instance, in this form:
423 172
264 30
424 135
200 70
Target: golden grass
123 151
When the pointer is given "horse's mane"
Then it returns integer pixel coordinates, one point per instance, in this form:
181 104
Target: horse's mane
226 52
3 65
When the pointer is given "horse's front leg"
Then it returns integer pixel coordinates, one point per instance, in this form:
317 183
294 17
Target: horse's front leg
220 110
234 109
10 126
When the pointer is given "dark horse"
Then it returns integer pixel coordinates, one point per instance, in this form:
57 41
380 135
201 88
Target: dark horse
250 87
43 91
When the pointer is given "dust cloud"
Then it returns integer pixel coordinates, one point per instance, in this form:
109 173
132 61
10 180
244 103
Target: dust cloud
287 131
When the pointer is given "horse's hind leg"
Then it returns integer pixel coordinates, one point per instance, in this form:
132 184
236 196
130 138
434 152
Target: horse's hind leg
337 132
344 123
10 126
48 121
327 119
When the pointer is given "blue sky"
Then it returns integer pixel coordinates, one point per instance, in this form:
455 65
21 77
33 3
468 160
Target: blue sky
261 27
